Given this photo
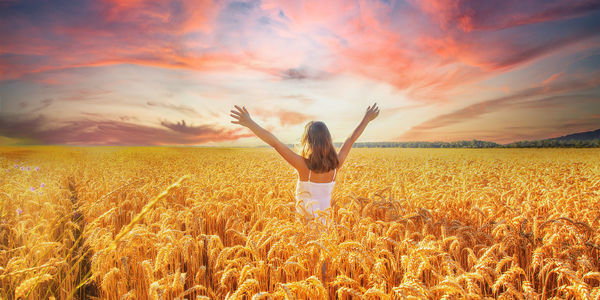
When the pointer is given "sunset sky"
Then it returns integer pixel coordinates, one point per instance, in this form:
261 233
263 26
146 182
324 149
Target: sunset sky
157 73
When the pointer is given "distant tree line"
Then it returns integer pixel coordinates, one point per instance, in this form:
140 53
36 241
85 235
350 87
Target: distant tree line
554 143
549 143
456 144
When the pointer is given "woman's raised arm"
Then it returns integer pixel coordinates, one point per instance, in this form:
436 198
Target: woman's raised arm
372 113
243 118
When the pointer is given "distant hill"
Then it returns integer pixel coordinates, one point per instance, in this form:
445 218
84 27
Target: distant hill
588 139
583 136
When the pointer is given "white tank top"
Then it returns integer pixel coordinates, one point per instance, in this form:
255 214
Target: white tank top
316 195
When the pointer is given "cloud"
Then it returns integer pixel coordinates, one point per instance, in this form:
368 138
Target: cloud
435 52
553 77
500 54
392 110
294 74
386 41
286 117
128 118
184 109
95 115
555 102
511 133
581 124
44 103
181 127
584 123
85 94
301 98
112 132
469 15
101 33
502 103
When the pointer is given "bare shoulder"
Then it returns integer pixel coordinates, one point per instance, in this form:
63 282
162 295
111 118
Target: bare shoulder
303 169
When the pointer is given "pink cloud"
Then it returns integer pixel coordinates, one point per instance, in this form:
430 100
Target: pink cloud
552 78
432 127
497 55
113 132
469 15
286 117
365 38
113 32
184 109
433 51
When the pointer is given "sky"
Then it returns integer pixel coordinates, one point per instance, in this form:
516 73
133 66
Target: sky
112 72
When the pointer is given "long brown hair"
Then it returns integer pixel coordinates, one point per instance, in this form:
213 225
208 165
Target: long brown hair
317 148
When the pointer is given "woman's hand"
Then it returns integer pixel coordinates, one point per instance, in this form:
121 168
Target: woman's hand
372 112
242 116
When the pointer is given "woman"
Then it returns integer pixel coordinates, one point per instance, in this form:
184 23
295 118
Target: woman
317 162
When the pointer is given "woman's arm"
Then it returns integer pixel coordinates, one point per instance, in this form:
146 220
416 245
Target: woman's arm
243 118
372 113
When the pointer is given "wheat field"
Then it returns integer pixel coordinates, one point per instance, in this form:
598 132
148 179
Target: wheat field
203 223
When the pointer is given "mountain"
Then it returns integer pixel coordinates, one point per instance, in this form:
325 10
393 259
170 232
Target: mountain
581 136
588 139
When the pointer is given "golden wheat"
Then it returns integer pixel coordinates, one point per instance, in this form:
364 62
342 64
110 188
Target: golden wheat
121 223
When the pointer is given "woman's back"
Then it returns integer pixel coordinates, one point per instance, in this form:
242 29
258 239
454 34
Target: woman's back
315 195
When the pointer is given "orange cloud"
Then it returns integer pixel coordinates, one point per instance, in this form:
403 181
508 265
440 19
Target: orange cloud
286 117
552 78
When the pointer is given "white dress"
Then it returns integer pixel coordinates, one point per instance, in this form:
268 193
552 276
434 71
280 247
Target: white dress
314 195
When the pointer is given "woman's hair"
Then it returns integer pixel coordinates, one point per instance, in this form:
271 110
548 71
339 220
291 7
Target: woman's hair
317 148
